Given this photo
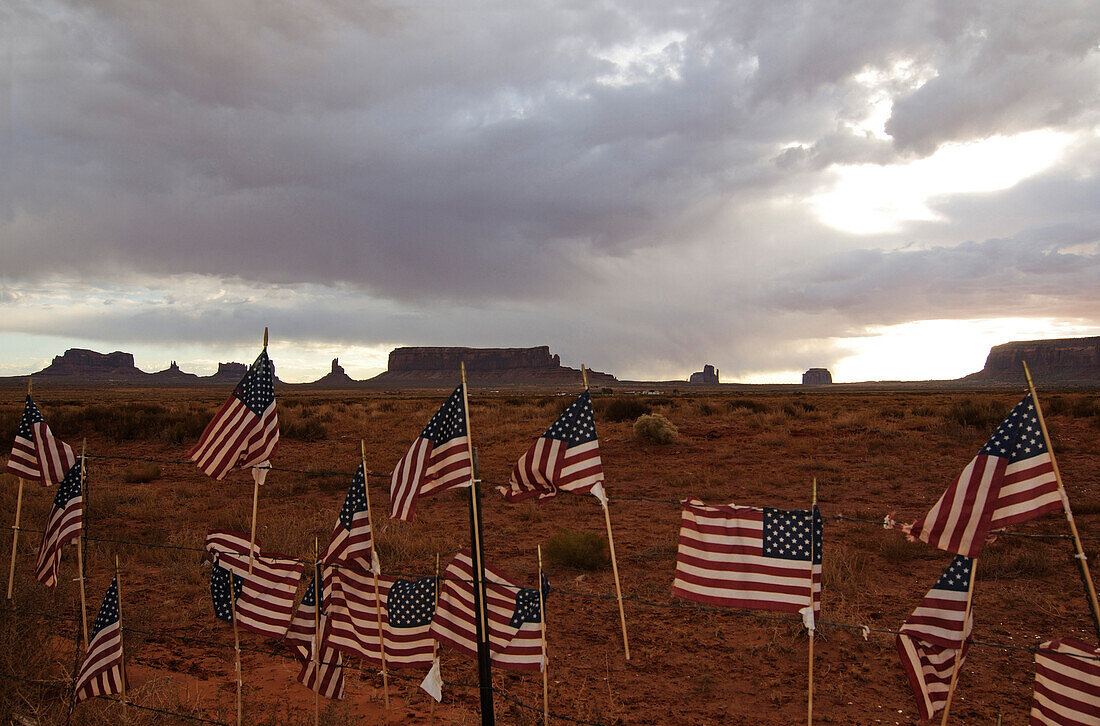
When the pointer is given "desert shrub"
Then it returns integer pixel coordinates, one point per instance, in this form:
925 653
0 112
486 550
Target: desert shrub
623 409
794 409
1075 406
310 428
140 472
654 428
972 412
579 550
747 404
706 408
845 571
778 437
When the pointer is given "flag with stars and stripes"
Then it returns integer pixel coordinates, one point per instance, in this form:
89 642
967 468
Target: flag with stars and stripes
245 430
744 557
266 600
351 543
324 673
438 460
405 608
101 673
36 453
515 630
934 636
62 527
565 458
1011 480
225 589
1067 684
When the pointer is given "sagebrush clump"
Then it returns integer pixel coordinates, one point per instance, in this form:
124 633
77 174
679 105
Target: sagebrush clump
654 428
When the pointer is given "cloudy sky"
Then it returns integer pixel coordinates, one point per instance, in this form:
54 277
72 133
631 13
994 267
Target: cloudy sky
767 186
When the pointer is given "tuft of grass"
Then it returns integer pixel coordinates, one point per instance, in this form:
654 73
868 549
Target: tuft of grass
654 428
141 472
1015 560
746 404
310 428
979 414
579 550
897 550
623 409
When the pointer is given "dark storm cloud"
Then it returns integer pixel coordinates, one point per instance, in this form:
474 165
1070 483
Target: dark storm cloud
604 176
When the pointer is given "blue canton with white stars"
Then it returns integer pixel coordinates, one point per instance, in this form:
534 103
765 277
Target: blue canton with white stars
356 499
108 611
1019 436
411 604
31 416
792 534
449 421
576 425
219 591
69 488
257 389
527 604
310 599
957 575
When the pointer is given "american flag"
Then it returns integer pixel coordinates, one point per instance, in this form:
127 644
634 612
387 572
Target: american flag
101 673
1011 480
743 557
407 608
934 636
245 430
62 527
566 458
438 460
351 543
266 600
1067 684
515 631
326 676
36 453
225 589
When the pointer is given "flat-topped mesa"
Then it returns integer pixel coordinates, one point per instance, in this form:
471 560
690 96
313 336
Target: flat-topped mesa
476 359
1062 360
817 377
81 363
230 371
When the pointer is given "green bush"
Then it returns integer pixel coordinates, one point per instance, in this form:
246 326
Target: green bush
579 550
654 428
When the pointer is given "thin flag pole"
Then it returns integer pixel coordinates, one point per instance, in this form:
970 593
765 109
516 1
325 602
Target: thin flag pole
236 643
15 537
377 596
484 662
545 657
810 682
18 510
611 546
1082 561
121 652
316 635
435 643
80 550
962 646
257 477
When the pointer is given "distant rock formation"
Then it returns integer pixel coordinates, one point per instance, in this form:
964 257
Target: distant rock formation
81 363
437 367
1063 360
709 374
817 377
230 372
335 378
174 374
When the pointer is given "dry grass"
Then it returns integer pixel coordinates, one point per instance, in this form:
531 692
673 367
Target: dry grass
582 550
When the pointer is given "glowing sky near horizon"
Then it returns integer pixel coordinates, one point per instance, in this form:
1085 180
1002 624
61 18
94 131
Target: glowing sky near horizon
766 187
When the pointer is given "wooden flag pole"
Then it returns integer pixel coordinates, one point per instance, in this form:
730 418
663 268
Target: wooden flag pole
1082 561
18 510
484 656
121 652
962 646
810 682
377 595
611 546
435 643
80 550
236 643
316 635
545 660
257 477
15 537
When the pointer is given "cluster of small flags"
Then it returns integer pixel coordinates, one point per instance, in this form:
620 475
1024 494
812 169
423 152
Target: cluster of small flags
735 556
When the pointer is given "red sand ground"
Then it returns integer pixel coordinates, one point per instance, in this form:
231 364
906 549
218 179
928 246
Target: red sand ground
872 453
